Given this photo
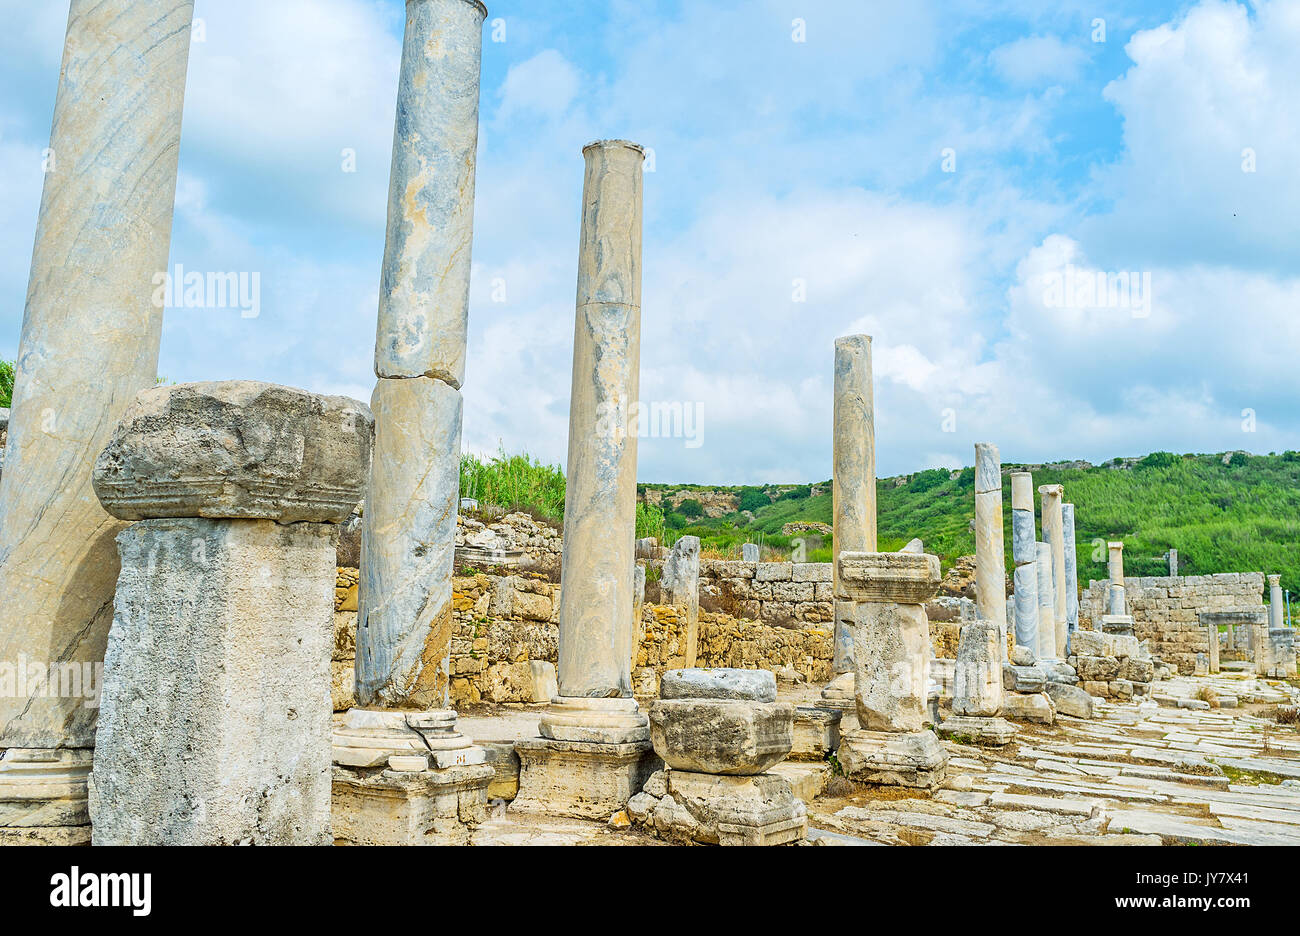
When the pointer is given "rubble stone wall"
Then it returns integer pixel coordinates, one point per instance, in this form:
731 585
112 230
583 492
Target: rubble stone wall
780 594
506 623
1165 609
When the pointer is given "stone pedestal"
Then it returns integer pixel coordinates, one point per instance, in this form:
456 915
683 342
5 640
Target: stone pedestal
816 732
854 477
582 779
1119 624
215 715
978 687
89 342
406 778
749 552
718 737
891 638
43 797
1024 551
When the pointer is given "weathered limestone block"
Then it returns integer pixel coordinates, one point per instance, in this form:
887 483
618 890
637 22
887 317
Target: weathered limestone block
579 778
720 736
1030 707
978 688
1023 678
816 733
978 729
854 477
404 623
1070 700
236 449
749 552
909 759
215 715
1098 669
753 685
409 807
43 797
89 341
725 810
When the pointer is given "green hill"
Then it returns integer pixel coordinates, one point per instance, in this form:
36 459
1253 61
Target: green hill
1235 517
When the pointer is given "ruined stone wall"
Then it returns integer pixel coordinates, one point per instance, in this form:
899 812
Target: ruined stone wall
541 543
506 637
1165 609
781 594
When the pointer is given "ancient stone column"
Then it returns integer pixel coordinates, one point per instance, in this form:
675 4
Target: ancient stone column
1024 551
1173 563
891 647
594 752
854 482
404 774
1054 535
680 587
404 619
1276 603
990 551
1047 649
1115 600
89 342
1071 573
214 724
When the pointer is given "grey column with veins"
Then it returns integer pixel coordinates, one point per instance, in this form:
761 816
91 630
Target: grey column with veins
1047 649
89 341
1024 551
854 475
1071 572
600 506
1276 620
408 541
990 548
1054 535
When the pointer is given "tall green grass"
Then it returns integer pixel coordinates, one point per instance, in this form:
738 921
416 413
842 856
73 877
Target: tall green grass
6 384
514 482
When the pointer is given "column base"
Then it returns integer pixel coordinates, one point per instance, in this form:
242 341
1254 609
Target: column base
408 807
907 759
723 810
611 720
581 779
983 730
816 732
838 696
43 796
1121 624
374 737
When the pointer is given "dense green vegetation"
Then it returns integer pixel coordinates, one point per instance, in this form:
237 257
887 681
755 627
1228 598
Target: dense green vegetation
1243 516
6 384
514 482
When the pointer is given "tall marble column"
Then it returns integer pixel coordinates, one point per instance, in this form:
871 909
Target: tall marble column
990 549
1276 619
854 480
403 773
408 539
1115 598
1054 536
89 342
1047 649
1071 573
680 587
1024 551
594 751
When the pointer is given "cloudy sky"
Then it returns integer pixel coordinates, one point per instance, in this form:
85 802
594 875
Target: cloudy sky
948 177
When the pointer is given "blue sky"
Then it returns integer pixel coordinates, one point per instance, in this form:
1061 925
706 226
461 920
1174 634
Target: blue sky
782 168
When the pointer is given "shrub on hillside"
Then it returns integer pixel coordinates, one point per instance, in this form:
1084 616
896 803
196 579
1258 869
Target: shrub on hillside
966 477
926 480
1159 460
797 493
675 521
1238 460
650 521
752 498
514 482
691 508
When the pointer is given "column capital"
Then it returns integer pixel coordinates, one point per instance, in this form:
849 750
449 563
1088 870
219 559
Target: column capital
903 578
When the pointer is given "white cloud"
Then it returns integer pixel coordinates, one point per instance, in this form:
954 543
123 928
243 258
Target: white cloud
544 84
1037 60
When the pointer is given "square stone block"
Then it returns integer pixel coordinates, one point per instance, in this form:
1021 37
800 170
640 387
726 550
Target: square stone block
909 759
753 810
715 736
430 807
986 732
581 779
816 733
